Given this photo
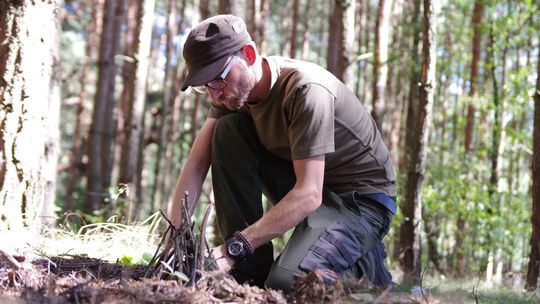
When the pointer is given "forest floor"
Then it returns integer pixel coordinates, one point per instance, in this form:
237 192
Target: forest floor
88 280
104 263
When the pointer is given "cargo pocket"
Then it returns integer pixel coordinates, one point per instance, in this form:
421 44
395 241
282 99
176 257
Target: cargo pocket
383 277
337 248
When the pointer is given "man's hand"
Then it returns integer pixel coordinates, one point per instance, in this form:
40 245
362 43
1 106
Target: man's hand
224 262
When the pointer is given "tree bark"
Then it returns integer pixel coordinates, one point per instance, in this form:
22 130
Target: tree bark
98 156
411 227
332 52
76 165
360 21
534 259
478 12
107 154
497 137
380 66
253 13
413 88
341 40
157 195
228 7
172 157
473 91
444 92
307 34
204 8
138 38
431 228
294 32
366 66
395 92
29 111
265 10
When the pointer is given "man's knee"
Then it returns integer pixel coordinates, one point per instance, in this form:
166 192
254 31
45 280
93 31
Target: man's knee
279 278
231 125
234 136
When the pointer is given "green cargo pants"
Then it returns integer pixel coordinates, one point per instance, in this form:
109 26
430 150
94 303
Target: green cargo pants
344 234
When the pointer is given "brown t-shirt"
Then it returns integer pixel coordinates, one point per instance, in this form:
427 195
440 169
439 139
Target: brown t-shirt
309 112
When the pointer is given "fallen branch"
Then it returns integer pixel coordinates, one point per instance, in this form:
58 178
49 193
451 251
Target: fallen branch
12 261
183 253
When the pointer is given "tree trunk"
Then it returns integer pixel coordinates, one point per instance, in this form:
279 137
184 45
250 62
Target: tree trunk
172 157
284 28
394 84
341 40
204 8
493 207
459 250
473 94
322 32
410 228
445 104
29 111
380 66
307 34
332 52
360 22
294 32
413 88
473 91
366 66
497 137
253 13
228 7
346 42
431 228
107 154
76 165
157 195
265 10
534 259
97 173
138 38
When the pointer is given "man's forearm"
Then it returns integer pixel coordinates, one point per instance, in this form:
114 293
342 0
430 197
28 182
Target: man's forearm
286 214
194 172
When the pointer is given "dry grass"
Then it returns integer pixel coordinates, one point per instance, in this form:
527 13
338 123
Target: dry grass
107 241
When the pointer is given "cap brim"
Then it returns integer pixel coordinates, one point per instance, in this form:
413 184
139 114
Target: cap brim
197 76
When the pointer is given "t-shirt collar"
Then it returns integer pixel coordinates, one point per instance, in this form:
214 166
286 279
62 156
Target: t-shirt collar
274 70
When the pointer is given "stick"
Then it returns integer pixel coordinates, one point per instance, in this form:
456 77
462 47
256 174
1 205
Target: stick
202 235
10 260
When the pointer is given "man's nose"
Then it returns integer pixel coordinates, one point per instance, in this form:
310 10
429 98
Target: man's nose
214 94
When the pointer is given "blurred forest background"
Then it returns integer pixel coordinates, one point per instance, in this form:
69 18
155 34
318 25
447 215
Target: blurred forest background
92 119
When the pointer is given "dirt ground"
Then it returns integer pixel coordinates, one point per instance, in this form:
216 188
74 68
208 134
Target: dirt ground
85 280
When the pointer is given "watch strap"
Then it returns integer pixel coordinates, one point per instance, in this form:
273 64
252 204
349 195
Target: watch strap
247 245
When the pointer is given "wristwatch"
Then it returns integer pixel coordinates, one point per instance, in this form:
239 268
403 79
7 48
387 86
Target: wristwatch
235 249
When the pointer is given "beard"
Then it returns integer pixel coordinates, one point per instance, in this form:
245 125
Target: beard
234 101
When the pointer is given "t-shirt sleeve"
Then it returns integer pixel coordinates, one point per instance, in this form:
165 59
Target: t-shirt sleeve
216 111
311 121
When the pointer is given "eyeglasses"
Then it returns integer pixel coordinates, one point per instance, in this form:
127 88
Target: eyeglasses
219 82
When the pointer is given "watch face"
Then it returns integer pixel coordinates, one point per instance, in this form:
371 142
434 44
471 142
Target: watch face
235 248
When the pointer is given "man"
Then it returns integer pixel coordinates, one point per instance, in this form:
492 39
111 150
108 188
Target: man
293 130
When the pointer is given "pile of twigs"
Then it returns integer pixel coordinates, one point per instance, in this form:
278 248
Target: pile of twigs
181 253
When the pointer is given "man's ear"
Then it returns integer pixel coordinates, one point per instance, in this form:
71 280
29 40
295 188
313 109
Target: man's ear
250 53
